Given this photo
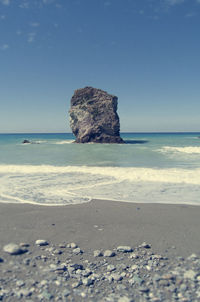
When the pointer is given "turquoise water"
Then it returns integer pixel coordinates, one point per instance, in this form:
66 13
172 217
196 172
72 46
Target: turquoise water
150 167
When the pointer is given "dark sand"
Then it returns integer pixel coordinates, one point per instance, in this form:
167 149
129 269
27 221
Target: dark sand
100 224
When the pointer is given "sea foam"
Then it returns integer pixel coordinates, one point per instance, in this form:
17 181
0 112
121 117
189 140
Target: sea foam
58 185
188 150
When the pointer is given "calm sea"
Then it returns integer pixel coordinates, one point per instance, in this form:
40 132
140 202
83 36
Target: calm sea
150 167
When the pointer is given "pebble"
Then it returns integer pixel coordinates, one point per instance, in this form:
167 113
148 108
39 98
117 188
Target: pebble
133 256
77 251
97 253
76 284
125 299
41 242
23 244
13 249
111 268
66 293
109 253
190 274
192 257
72 245
143 289
145 245
20 283
116 277
124 249
129 277
87 281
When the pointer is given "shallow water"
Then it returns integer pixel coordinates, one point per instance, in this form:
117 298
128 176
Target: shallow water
150 167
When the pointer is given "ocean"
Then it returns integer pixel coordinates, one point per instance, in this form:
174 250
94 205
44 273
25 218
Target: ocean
52 170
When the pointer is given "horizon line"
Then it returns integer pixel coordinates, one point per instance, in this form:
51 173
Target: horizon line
123 132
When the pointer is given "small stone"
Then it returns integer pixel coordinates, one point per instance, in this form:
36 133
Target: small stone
97 253
133 268
43 282
116 277
57 252
62 246
109 253
46 295
123 274
157 256
26 292
124 249
76 266
76 284
66 293
190 274
77 251
72 245
156 278
87 281
133 256
168 277
20 283
23 244
143 289
13 249
41 242
145 245
111 268
138 280
125 299
86 273
164 282
1 260
192 257
94 277
83 295
183 287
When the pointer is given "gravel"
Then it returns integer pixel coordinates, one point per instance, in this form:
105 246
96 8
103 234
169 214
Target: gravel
43 275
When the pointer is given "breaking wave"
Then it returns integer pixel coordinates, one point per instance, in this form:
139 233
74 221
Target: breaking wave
188 150
59 185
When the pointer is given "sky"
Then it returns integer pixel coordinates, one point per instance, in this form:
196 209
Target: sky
146 52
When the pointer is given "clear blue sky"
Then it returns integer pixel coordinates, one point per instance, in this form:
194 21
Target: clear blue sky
147 52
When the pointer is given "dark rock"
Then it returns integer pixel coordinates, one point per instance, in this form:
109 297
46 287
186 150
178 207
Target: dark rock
93 116
26 141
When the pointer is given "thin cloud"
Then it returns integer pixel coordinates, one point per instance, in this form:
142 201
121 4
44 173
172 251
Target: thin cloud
24 5
48 1
2 17
174 2
4 47
31 37
35 24
190 15
5 2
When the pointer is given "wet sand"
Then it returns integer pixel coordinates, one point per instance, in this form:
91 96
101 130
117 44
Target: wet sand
172 230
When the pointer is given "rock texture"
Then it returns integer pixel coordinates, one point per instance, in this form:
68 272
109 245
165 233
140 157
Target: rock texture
93 116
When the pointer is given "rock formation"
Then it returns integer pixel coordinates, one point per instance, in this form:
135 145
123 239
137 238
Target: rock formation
93 116
26 141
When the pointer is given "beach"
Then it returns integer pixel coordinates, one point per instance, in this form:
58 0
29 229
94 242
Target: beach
100 251
100 224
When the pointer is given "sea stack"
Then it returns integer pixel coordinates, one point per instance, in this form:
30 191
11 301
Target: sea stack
93 116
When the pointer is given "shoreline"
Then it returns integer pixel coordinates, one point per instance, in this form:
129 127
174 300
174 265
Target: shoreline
170 229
